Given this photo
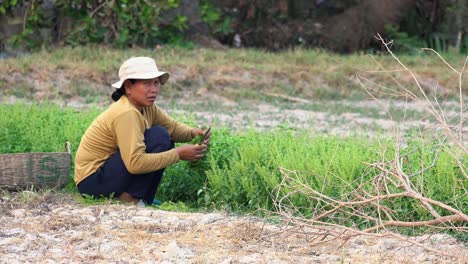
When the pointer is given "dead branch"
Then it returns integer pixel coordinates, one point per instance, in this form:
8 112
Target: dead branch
440 220
431 107
334 231
368 208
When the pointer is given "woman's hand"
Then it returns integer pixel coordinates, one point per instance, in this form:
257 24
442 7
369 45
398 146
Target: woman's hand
198 131
191 152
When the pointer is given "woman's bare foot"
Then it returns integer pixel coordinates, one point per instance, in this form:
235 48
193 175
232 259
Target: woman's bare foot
128 198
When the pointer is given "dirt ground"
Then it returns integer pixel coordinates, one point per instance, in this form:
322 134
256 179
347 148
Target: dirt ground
56 228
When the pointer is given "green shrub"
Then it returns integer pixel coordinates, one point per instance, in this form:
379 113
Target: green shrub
132 22
118 23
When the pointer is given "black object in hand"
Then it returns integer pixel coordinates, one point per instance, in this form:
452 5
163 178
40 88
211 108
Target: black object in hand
202 139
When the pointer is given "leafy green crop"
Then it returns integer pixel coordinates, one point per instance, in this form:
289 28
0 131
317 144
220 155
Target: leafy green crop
240 171
41 127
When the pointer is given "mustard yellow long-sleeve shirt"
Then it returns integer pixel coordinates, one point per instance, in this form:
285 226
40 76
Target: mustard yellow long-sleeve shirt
121 127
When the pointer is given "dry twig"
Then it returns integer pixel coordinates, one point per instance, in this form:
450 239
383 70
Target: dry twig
372 207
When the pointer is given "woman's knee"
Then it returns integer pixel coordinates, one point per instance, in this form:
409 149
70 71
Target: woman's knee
159 132
157 139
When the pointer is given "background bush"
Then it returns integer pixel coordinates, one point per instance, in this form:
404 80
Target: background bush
128 23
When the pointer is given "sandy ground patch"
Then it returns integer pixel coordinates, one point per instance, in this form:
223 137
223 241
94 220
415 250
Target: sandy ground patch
58 229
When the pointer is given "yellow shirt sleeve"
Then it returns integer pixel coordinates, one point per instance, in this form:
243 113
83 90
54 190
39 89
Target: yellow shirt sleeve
129 130
179 132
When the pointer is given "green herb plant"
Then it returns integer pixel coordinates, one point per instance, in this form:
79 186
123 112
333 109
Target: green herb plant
240 170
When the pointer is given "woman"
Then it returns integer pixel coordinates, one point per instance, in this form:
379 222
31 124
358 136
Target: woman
125 150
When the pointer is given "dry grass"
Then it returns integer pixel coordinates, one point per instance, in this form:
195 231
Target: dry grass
302 73
118 233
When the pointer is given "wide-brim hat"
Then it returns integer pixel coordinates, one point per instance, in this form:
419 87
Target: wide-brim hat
140 68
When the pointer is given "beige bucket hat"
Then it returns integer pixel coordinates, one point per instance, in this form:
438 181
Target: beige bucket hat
140 68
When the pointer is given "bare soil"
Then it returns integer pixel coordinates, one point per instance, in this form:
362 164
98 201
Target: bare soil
56 228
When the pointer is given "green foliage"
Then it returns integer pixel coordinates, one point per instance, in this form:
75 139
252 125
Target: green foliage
41 127
7 5
177 207
240 171
186 181
118 23
131 22
34 21
127 23
253 172
214 18
91 200
438 29
432 170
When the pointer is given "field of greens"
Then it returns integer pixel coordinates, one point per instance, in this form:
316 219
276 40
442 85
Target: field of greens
344 126
241 169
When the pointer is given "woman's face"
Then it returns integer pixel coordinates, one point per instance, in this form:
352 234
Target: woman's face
142 92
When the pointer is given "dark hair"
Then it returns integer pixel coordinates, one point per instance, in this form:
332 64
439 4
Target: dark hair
121 91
